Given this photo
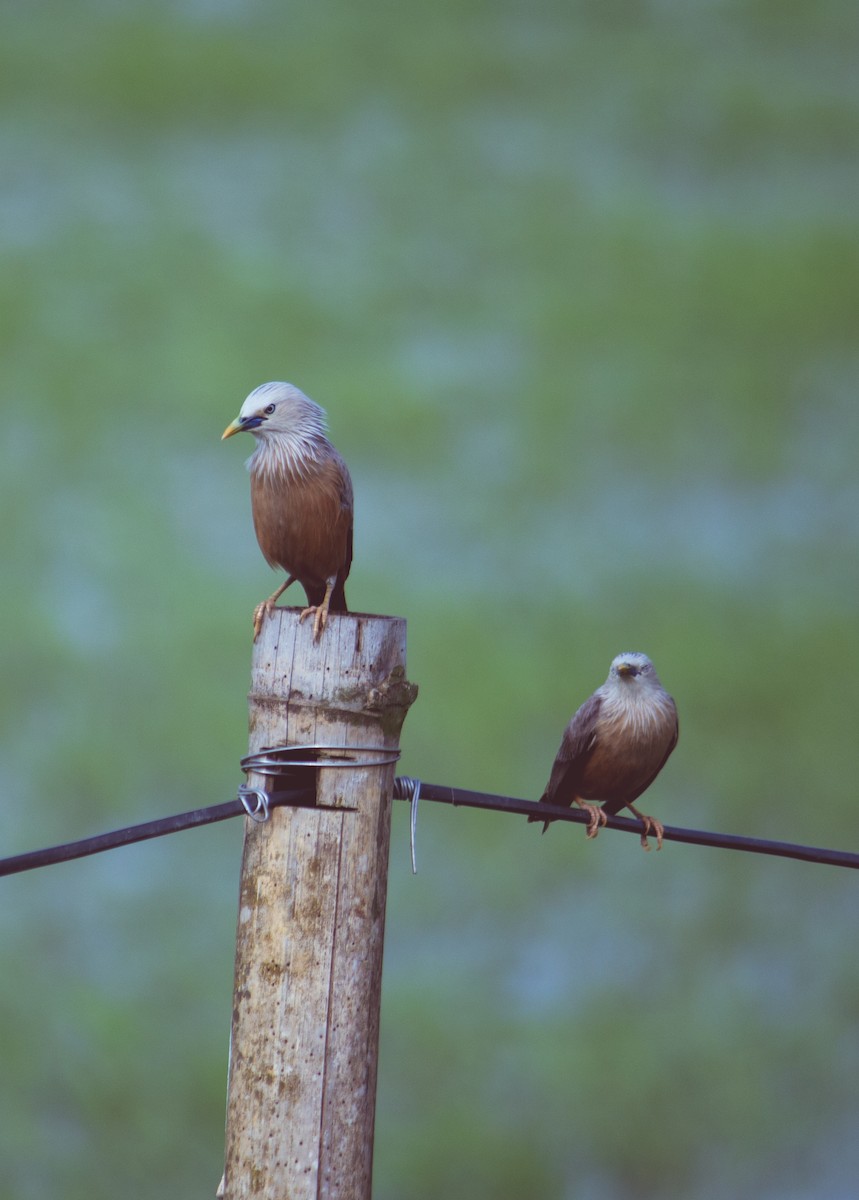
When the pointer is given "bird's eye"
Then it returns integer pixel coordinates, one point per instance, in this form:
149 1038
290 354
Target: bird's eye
268 410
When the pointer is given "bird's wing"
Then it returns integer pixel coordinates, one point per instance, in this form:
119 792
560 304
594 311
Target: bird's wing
347 505
576 746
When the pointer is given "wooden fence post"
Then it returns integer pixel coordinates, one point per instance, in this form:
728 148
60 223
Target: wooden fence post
305 1027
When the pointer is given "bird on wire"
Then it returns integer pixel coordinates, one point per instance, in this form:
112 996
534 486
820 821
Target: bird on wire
615 745
301 499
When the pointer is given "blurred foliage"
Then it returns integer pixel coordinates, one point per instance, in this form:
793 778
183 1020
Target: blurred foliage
578 285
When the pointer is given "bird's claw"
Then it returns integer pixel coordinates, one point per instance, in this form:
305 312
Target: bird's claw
596 819
263 609
319 612
651 825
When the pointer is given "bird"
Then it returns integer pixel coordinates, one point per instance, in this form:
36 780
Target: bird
301 499
615 745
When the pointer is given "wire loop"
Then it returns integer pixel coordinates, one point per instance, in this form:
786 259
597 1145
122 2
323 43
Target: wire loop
275 760
261 811
289 762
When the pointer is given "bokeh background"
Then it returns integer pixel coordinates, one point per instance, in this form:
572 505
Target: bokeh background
578 284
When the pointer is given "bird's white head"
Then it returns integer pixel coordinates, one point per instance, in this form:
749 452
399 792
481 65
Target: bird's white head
632 668
278 409
634 693
289 428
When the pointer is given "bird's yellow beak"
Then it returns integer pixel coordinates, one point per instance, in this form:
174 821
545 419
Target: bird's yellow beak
233 427
624 669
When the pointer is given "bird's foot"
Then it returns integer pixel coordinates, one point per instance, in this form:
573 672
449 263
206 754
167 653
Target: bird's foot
267 607
262 610
651 825
319 612
596 818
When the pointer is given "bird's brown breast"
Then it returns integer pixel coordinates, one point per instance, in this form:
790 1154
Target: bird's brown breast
303 522
624 758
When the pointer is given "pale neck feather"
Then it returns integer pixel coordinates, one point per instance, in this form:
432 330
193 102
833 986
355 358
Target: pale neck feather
295 454
647 708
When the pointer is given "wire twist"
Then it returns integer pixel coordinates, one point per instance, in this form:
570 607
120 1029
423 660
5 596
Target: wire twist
282 762
407 788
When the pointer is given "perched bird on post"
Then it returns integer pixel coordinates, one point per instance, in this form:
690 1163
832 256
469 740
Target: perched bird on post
615 746
301 499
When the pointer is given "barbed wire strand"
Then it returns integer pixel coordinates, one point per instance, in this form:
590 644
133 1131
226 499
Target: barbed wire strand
460 797
146 831
404 790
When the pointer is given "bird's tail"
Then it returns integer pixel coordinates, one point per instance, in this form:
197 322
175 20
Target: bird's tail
544 799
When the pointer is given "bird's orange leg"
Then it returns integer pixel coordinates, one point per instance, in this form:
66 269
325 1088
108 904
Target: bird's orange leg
651 825
265 608
596 816
319 612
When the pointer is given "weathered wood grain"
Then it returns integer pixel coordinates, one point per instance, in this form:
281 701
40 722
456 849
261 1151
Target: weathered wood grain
301 1097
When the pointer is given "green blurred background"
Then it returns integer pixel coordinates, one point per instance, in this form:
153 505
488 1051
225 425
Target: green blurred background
578 284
